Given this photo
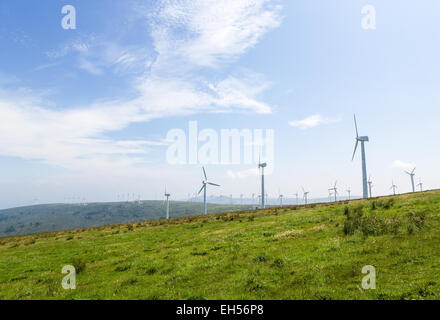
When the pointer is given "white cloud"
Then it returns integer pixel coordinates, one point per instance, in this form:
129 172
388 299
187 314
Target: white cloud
403 165
187 35
244 174
312 122
214 31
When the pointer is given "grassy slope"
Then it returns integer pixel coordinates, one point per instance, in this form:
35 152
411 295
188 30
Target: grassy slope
283 253
56 217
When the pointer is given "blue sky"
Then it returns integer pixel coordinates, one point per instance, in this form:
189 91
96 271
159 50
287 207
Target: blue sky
86 112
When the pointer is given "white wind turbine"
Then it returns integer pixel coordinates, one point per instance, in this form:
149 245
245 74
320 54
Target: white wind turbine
335 190
362 140
167 196
370 185
420 185
394 187
305 195
412 174
349 194
262 166
280 197
204 187
330 195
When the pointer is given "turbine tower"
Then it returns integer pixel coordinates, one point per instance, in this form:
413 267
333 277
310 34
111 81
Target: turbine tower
370 185
296 195
335 190
262 166
204 186
362 140
394 187
412 174
306 193
167 196
349 194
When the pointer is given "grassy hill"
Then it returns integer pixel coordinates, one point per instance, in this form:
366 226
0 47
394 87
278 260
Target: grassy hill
56 217
307 252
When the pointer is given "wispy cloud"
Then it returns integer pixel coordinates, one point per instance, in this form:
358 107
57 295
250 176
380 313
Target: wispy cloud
213 31
313 121
403 165
244 174
187 36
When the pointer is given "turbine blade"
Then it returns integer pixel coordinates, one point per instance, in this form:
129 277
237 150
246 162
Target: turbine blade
204 186
355 148
356 126
204 173
213 184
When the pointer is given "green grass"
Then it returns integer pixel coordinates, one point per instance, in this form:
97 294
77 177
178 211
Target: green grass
277 253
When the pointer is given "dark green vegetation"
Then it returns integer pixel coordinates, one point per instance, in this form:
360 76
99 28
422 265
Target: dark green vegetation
56 217
306 252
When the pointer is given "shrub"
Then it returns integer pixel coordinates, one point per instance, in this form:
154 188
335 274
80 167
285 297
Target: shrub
79 265
151 270
417 219
370 225
29 242
387 204
123 268
353 219
278 263
260 258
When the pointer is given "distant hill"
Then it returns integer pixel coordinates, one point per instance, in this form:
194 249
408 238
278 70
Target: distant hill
57 217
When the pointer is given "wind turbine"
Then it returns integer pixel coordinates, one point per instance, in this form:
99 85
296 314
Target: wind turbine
262 166
306 193
394 187
349 194
167 196
412 174
204 186
420 185
362 140
280 197
335 190
296 195
370 185
330 195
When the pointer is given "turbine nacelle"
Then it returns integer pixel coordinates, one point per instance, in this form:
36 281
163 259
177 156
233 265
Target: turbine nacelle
363 139
411 173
